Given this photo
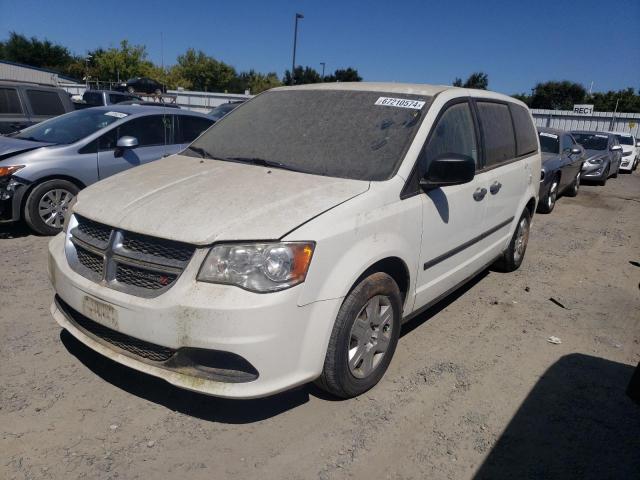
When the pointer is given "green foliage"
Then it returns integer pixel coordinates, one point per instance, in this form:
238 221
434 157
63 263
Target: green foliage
479 80
628 101
254 82
558 95
310 75
124 62
344 75
204 72
38 53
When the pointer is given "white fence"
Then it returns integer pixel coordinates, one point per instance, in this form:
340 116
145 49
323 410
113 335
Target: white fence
598 121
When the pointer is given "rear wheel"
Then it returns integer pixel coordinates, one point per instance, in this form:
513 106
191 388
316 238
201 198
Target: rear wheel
549 201
572 191
47 205
615 175
514 254
364 337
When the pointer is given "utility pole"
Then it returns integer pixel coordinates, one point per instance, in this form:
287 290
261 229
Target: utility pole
295 41
323 64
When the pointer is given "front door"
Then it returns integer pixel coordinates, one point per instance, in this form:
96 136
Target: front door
155 140
454 216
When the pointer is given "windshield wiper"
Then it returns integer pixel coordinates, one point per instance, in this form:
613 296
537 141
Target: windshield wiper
201 151
263 163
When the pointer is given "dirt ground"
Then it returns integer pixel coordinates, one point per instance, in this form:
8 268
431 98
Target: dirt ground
474 391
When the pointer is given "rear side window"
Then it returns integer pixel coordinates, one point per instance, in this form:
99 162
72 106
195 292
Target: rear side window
525 131
497 133
150 130
92 98
115 98
567 143
191 128
45 103
9 102
453 134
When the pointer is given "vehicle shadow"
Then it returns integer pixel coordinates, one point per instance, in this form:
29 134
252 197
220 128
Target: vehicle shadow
430 312
577 422
197 405
14 230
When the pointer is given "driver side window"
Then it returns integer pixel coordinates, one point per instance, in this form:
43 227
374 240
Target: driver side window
454 133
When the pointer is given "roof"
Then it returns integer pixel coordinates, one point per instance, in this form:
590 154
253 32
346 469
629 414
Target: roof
146 110
592 132
624 134
40 69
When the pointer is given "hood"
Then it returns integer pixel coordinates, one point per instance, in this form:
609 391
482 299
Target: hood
10 145
203 201
590 154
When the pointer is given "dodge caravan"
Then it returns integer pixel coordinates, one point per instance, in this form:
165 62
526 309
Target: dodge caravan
290 241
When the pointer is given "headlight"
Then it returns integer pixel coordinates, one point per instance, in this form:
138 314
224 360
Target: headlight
10 170
595 161
259 267
626 154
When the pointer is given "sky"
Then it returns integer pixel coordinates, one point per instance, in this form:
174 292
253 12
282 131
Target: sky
516 43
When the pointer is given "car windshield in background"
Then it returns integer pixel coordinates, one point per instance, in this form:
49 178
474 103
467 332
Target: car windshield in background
221 110
549 142
592 141
71 127
335 133
624 139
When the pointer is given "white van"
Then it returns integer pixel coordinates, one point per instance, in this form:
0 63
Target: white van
290 241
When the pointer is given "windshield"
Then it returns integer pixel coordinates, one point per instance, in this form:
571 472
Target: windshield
336 133
592 141
549 142
625 139
71 127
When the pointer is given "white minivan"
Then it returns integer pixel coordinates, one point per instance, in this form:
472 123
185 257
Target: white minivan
290 241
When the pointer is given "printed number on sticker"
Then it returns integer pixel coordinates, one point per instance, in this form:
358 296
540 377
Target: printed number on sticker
400 102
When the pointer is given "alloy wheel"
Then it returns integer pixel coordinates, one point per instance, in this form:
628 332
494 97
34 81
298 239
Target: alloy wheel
522 238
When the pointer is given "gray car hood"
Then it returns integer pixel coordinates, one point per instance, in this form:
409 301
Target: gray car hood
202 201
589 154
548 156
10 145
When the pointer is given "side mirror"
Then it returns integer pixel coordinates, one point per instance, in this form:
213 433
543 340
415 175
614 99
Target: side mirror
449 169
638 143
576 151
123 144
616 148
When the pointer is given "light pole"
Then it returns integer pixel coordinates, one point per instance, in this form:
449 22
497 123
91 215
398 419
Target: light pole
295 41
323 64
86 71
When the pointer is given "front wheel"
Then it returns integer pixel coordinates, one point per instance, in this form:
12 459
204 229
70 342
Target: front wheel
364 337
512 258
549 201
572 191
605 177
47 205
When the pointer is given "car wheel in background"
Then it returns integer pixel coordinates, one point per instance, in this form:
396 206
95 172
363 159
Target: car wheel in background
131 89
47 205
572 191
615 175
549 201
364 337
512 258
605 177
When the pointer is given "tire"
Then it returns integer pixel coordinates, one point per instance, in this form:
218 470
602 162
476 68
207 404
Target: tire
347 372
615 175
512 257
53 195
549 201
572 191
158 91
131 89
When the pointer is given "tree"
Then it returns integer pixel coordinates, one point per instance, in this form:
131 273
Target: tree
34 52
479 80
558 95
204 72
344 75
302 76
255 82
124 62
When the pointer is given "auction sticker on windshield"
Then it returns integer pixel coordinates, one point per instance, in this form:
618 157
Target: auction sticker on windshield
550 135
400 102
116 114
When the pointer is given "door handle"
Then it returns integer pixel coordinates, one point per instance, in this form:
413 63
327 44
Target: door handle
495 187
479 194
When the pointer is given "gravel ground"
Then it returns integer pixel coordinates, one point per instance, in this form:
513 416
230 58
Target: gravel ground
474 391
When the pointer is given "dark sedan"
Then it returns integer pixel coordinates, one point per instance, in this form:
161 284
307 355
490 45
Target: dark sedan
141 85
562 160
603 155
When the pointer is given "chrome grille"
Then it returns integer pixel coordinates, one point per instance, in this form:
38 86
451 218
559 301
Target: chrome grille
130 262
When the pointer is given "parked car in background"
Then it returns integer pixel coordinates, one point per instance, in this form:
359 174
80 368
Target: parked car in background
99 98
562 159
630 151
24 104
602 155
141 85
265 258
221 110
43 167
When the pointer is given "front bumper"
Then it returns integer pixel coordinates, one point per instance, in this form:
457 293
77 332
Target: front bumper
594 172
284 342
626 163
12 191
